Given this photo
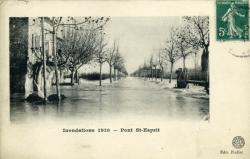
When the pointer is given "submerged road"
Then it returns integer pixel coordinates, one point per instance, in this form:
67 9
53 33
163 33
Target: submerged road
129 99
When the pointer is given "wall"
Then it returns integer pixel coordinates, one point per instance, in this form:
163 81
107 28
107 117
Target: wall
18 36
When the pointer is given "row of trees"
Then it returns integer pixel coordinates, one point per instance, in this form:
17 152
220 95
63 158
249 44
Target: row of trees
184 40
83 40
112 56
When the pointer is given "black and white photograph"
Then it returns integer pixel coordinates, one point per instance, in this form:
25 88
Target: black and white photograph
123 80
114 68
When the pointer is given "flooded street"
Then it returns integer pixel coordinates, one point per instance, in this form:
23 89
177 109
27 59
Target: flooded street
127 99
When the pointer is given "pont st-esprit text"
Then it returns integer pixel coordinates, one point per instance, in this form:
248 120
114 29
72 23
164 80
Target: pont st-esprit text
149 130
108 130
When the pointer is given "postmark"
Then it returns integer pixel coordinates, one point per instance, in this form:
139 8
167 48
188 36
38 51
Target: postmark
232 20
239 54
238 142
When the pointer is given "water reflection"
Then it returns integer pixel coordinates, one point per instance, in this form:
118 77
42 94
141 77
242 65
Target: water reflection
128 98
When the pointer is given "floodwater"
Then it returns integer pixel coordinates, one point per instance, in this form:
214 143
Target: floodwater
127 99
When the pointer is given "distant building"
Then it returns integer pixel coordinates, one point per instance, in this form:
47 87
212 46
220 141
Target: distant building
147 71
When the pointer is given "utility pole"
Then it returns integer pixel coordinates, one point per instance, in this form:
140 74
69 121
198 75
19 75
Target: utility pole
44 61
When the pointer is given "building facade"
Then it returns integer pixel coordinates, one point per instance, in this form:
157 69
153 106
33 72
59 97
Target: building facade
26 60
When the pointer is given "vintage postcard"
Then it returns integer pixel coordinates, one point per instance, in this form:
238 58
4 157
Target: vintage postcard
125 79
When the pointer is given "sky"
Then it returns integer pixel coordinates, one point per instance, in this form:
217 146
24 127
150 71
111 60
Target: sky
139 37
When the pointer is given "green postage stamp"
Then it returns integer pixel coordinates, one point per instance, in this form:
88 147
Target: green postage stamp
232 20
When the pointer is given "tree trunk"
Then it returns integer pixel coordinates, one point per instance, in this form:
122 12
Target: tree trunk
55 63
114 74
60 75
152 75
161 73
72 77
155 74
144 76
76 77
184 62
110 73
204 59
148 74
205 62
195 66
44 61
100 81
171 72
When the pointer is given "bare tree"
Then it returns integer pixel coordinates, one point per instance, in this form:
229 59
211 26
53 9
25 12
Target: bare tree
77 48
198 28
161 62
151 63
182 45
117 60
44 60
101 54
120 66
111 59
79 42
55 23
60 22
171 53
